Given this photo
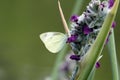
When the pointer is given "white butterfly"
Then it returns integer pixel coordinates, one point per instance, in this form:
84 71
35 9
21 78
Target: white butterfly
55 41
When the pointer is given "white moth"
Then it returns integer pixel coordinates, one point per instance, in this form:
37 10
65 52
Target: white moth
53 41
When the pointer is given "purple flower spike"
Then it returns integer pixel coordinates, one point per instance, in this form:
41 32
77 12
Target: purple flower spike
113 24
74 18
72 38
87 30
75 57
97 65
111 2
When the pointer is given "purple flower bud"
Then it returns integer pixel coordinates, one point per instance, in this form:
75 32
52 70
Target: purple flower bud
86 29
111 2
72 38
102 5
97 65
75 57
108 37
74 18
113 24
107 40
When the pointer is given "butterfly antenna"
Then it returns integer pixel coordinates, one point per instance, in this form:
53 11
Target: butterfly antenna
63 19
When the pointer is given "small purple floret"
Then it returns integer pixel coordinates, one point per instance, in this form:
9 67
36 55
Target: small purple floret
107 40
75 57
97 65
102 5
113 24
108 37
86 29
74 18
111 2
72 38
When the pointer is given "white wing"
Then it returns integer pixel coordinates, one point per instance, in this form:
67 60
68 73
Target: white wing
53 41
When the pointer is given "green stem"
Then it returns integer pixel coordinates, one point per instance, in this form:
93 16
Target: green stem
57 63
92 74
113 58
119 69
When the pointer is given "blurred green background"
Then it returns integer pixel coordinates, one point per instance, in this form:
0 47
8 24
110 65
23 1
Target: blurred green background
22 54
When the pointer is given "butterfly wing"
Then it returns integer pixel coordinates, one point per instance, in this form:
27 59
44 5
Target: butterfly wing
53 41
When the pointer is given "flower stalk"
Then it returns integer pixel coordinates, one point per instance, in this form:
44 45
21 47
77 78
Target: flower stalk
113 58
